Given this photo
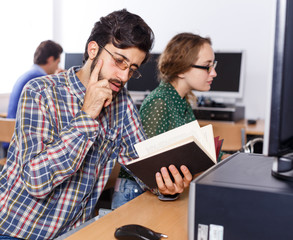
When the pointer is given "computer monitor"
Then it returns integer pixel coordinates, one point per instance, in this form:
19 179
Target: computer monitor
230 76
149 80
278 135
73 59
228 83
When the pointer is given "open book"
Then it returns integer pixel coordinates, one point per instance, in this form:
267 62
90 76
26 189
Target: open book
189 145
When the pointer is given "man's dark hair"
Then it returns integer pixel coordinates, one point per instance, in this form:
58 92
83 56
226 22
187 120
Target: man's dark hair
123 29
45 50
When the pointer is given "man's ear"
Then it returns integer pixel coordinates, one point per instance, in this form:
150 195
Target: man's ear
50 60
92 49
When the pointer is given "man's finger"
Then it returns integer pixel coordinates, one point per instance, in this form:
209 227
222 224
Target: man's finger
104 83
160 183
177 177
187 175
95 73
166 177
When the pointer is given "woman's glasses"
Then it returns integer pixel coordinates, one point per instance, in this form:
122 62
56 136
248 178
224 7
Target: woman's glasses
208 68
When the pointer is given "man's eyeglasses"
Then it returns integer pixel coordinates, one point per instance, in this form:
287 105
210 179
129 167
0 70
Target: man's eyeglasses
208 68
123 65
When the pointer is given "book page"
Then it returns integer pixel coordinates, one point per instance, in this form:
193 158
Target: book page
209 143
166 148
171 137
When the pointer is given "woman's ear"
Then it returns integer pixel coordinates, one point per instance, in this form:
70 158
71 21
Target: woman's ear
92 49
181 75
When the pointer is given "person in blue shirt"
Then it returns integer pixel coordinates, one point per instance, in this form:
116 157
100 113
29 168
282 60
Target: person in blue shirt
46 61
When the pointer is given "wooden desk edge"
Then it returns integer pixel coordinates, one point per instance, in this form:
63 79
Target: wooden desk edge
169 218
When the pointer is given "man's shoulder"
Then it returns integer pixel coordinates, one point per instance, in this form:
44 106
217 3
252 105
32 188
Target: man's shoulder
44 82
29 75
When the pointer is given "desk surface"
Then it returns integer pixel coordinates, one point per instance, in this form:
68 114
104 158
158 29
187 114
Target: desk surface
234 133
169 218
255 129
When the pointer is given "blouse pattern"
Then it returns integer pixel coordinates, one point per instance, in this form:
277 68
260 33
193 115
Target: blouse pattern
164 109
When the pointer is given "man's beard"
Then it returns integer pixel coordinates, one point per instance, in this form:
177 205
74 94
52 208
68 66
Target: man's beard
114 81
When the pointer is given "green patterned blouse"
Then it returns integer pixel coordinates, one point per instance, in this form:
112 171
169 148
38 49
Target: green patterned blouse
164 109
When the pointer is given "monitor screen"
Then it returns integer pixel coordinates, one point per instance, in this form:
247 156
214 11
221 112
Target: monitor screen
73 59
149 77
278 137
230 76
227 84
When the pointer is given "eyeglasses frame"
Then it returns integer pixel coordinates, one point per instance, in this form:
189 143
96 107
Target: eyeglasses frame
208 68
131 73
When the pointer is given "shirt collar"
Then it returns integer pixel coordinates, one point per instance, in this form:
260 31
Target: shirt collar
41 70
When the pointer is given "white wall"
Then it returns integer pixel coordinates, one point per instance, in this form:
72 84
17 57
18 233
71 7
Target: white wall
241 24
24 24
232 25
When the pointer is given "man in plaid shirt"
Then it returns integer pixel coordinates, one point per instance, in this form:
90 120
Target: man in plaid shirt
71 128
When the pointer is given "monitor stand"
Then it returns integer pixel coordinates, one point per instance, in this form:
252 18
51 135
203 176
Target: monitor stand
283 167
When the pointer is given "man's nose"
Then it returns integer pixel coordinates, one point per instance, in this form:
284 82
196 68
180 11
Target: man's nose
124 75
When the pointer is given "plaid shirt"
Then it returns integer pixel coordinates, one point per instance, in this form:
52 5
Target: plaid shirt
60 159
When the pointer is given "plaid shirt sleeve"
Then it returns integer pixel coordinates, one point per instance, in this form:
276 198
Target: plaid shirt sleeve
50 152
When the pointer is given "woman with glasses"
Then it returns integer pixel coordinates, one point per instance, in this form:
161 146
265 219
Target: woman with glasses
188 63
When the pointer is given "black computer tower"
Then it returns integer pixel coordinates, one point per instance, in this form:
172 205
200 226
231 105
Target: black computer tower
240 199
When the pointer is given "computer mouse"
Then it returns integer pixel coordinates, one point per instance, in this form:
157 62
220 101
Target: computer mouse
137 232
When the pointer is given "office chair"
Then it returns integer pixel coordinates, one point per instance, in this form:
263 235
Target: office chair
249 146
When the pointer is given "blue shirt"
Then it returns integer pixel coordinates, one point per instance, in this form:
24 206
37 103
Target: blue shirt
35 71
60 159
